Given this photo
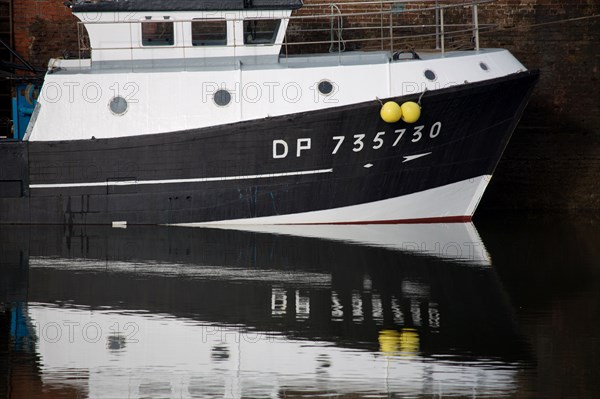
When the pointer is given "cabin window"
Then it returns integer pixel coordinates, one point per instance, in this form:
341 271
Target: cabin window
325 87
261 31
157 33
222 98
209 33
430 75
118 105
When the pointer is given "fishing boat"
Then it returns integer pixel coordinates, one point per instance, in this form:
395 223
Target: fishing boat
193 112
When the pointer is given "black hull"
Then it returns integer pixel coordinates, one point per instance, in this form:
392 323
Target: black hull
231 172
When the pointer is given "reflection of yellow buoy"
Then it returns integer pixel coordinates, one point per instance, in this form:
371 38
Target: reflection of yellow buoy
411 112
409 341
391 112
388 341
404 343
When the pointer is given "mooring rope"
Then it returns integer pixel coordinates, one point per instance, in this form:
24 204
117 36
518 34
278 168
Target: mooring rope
542 23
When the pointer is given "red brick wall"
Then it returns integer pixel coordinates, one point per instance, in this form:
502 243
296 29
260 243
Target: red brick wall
566 53
553 160
43 29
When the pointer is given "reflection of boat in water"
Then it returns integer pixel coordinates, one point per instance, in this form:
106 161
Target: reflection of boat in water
458 242
188 312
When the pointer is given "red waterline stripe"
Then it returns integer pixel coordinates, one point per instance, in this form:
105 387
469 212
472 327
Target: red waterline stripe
442 219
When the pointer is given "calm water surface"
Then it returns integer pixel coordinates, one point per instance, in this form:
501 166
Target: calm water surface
504 309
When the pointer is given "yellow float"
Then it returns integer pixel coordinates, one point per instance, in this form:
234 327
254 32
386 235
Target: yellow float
391 112
411 112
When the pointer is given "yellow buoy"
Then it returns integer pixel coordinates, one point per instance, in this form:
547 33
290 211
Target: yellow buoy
411 112
391 112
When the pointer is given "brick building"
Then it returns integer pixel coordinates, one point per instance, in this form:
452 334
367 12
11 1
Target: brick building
43 29
554 158
6 36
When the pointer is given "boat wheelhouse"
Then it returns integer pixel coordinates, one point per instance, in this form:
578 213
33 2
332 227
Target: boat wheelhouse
198 112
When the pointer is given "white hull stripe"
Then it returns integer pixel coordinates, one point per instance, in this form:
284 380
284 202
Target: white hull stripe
444 202
409 158
179 181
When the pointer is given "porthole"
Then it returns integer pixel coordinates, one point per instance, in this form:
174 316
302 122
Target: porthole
222 98
484 66
430 75
325 87
118 105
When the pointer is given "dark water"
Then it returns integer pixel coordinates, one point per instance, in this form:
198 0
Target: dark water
509 308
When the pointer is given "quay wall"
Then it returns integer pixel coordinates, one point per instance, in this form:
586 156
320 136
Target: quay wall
553 160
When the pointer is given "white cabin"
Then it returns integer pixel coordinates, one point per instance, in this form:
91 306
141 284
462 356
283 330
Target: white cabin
154 33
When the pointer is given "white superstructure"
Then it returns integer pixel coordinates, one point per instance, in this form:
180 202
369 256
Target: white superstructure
157 72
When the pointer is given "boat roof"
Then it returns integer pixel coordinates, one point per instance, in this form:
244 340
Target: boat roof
182 5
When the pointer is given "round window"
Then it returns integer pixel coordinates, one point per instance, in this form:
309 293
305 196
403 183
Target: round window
430 75
484 66
222 98
325 87
118 105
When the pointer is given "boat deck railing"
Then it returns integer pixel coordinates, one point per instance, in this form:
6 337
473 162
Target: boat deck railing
389 25
385 25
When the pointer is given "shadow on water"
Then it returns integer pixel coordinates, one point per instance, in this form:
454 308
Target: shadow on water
347 311
550 268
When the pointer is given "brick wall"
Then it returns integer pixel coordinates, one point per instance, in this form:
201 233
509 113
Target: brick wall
553 161
567 54
43 29
5 85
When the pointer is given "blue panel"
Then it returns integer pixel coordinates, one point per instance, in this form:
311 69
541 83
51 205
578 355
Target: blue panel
15 117
23 106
